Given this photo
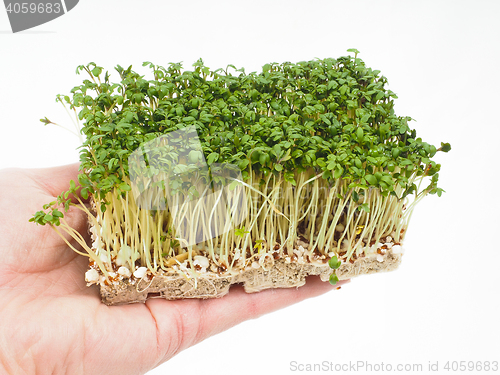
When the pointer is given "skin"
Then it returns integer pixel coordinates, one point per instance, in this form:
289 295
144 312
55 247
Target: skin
52 323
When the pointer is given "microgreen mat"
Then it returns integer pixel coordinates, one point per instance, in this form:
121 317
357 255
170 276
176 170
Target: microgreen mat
322 154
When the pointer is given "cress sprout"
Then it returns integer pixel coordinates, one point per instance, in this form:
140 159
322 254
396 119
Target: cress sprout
322 154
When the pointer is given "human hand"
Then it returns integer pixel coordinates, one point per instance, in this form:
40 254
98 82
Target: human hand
52 323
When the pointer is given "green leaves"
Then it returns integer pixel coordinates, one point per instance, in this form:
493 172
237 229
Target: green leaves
38 218
96 71
56 213
331 116
124 187
85 193
371 179
359 134
240 232
333 279
338 171
45 121
334 262
364 207
52 217
445 147
396 152
212 158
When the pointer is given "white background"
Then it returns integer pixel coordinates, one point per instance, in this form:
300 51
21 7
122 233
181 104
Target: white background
441 58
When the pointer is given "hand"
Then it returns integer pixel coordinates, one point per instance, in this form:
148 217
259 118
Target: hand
52 323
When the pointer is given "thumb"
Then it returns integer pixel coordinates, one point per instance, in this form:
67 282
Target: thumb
53 181
22 193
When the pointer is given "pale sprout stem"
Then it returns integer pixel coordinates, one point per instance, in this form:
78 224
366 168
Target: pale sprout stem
76 123
79 136
66 228
275 211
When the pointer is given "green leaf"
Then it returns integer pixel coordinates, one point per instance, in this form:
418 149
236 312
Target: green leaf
125 187
290 178
365 118
111 162
286 156
359 134
321 162
355 196
96 71
45 121
240 232
364 207
371 179
445 147
332 85
57 213
85 193
396 152
242 164
194 156
334 262
338 171
213 157
333 279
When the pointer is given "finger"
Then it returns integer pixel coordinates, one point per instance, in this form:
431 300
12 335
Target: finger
184 323
55 180
24 245
238 306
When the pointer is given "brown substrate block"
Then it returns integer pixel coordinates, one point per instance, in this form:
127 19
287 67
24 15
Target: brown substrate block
278 274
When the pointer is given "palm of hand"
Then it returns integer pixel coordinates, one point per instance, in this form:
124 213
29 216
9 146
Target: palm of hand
51 322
